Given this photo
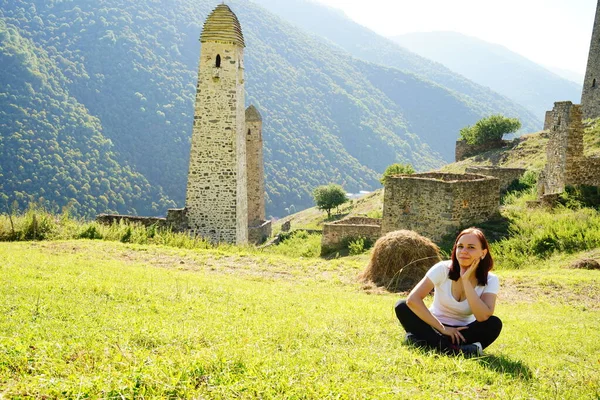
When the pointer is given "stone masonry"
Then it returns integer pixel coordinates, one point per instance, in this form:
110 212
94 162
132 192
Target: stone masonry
254 162
216 197
335 233
566 163
258 228
436 204
464 150
590 96
505 175
548 120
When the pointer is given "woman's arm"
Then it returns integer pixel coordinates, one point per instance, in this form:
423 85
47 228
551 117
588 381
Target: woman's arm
415 302
482 307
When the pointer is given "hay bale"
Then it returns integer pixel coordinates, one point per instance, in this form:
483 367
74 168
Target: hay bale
400 260
585 263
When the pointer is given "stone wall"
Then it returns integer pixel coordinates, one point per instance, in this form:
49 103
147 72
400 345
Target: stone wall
259 233
435 204
109 219
464 150
216 197
334 233
505 175
590 97
177 219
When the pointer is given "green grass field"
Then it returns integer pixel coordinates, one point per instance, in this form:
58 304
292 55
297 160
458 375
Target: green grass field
100 319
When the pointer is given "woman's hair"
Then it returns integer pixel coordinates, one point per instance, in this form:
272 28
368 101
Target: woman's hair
484 266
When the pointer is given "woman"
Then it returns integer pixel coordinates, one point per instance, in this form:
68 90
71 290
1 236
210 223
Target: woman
461 319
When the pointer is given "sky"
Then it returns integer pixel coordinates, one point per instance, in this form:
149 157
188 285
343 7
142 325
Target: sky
553 33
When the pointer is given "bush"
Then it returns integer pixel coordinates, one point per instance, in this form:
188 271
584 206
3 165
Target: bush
579 196
90 232
357 245
488 129
396 169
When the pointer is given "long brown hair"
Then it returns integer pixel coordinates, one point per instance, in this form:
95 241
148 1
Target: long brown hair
484 266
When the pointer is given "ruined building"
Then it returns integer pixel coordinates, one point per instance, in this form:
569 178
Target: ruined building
435 204
566 163
590 97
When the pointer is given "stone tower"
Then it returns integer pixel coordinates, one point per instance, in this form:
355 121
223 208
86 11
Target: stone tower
255 171
216 198
590 97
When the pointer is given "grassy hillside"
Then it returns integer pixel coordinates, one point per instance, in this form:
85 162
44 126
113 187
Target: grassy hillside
100 319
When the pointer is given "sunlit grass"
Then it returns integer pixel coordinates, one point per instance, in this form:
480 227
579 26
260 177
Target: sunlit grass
112 320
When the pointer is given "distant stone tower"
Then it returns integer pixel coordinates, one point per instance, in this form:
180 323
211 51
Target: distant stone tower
254 162
216 198
590 97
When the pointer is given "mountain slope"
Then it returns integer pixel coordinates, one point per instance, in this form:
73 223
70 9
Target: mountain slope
495 66
328 116
363 43
50 147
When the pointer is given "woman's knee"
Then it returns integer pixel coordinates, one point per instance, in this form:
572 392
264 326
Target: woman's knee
494 323
401 309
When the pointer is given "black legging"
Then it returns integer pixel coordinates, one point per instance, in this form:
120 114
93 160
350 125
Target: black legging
483 332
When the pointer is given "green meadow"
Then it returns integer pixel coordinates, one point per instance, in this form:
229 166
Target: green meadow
105 319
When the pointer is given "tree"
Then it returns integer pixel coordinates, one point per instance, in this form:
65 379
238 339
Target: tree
329 196
396 169
488 129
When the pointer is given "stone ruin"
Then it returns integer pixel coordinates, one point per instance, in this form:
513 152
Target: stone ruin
335 233
435 204
505 175
566 163
432 204
464 150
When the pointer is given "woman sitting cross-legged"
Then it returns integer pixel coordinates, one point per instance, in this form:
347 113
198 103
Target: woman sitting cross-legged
461 318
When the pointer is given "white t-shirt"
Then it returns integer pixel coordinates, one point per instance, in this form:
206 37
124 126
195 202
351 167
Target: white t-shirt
445 307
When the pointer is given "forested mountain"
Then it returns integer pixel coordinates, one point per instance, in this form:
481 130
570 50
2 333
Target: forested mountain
114 81
51 147
495 66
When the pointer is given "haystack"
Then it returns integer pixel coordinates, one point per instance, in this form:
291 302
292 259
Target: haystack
585 263
400 260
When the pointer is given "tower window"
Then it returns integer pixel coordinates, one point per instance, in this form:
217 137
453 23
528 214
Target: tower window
594 82
218 61
249 133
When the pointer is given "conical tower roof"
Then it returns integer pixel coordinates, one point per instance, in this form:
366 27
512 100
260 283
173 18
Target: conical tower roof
222 26
252 114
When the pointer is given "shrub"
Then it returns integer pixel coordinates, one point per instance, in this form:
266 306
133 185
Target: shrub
488 129
90 232
396 169
578 196
357 245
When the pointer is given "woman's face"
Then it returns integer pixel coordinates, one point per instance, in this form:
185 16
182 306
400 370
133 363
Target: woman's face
468 249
